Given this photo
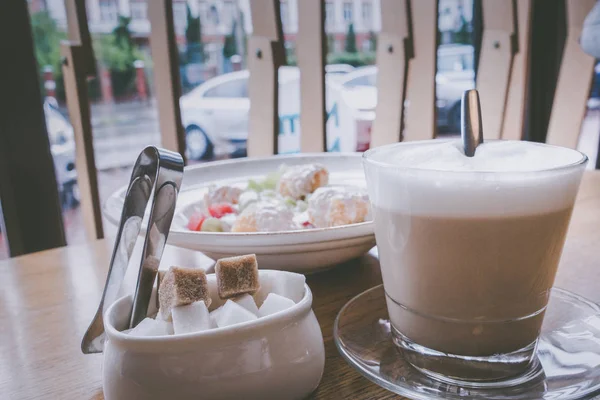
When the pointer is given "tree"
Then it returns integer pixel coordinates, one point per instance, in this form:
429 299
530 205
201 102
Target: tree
193 37
350 46
230 44
118 52
46 39
122 35
463 34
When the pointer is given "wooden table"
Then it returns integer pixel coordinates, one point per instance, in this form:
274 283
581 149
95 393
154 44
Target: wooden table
47 300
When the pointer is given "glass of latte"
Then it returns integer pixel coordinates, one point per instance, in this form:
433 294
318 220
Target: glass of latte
469 248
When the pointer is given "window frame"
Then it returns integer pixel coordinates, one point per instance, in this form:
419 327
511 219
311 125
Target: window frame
330 15
366 7
348 11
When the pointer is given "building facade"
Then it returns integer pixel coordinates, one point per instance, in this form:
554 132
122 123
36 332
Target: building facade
364 15
217 17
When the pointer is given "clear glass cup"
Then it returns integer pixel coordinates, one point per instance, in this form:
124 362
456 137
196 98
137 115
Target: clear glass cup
468 259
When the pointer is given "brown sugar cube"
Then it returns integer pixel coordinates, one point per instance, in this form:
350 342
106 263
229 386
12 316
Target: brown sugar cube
182 286
237 275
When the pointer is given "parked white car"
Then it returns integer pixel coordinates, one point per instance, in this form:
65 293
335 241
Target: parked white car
215 114
62 147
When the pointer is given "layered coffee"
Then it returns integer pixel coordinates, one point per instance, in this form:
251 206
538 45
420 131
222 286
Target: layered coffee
469 246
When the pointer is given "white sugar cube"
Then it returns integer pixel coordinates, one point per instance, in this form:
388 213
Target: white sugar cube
232 313
213 322
283 283
190 318
152 327
214 315
247 302
290 285
274 303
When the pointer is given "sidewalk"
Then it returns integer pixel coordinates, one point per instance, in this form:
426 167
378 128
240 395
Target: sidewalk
121 131
107 117
122 151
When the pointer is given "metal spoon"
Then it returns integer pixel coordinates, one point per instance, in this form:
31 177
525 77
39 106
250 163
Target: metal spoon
471 128
162 170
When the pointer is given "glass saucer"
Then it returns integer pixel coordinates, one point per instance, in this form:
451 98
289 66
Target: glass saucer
568 353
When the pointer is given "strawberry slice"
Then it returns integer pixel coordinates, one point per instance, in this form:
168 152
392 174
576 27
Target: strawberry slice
195 221
218 210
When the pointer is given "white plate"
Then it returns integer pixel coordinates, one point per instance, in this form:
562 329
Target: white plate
299 251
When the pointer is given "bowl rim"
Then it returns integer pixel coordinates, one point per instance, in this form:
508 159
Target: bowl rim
233 333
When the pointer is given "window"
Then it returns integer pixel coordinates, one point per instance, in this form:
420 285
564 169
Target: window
347 12
203 12
229 13
329 15
139 10
367 14
230 89
285 13
213 15
108 11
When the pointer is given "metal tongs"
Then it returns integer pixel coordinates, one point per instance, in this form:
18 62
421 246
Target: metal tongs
161 170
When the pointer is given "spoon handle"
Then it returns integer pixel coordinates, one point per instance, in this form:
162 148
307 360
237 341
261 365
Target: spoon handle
471 129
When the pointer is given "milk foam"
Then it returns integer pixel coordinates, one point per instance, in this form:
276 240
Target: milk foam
434 177
495 156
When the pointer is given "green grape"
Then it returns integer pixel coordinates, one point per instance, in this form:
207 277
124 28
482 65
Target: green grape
253 185
211 225
271 180
269 184
290 202
269 193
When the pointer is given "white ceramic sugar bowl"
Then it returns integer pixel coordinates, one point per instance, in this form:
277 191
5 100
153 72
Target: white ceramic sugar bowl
280 356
